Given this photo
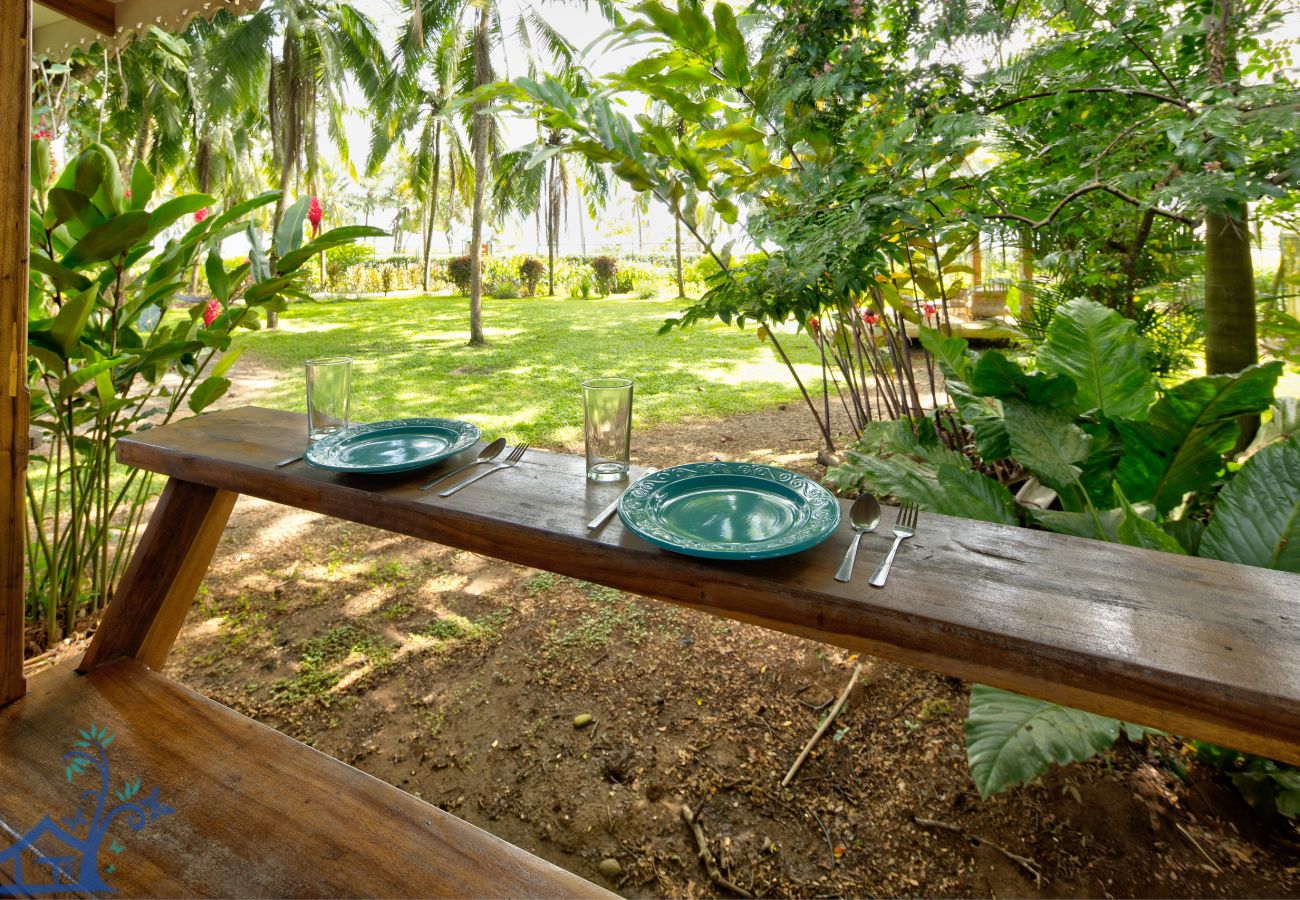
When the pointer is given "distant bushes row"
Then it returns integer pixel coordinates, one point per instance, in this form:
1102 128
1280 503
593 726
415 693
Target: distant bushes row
355 270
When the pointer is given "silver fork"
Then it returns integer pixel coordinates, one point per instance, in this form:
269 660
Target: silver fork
512 460
904 528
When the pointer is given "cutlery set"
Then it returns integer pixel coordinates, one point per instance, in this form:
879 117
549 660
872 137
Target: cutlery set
715 510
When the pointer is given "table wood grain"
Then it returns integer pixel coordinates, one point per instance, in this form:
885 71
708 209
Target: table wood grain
1197 647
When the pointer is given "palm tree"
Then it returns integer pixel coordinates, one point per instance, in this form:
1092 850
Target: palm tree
321 43
415 99
530 38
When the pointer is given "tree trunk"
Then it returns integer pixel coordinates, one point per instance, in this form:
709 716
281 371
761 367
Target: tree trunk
1230 340
482 76
433 200
550 236
677 241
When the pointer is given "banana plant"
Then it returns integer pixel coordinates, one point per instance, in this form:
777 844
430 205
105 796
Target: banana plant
107 354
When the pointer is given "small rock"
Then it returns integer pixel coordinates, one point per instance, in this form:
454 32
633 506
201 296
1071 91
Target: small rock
583 720
610 868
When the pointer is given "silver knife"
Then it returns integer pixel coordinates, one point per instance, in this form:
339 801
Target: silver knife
608 511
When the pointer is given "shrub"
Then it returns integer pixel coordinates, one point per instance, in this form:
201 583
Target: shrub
646 291
460 272
338 260
531 270
506 290
606 269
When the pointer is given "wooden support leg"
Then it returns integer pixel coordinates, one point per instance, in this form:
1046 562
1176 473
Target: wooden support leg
150 604
15 156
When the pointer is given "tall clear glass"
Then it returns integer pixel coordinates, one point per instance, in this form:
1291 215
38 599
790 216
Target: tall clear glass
329 393
607 414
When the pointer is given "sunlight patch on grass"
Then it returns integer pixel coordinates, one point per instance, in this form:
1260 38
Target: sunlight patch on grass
412 360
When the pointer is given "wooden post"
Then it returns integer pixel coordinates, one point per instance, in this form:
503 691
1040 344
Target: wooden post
15 165
164 574
977 262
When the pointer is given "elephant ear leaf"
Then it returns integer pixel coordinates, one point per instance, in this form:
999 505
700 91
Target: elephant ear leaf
1011 739
1181 445
1257 515
1102 352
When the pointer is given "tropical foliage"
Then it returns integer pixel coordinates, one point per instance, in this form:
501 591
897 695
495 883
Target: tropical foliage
1123 459
104 359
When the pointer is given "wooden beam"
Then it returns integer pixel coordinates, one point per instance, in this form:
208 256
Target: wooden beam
15 165
97 14
164 574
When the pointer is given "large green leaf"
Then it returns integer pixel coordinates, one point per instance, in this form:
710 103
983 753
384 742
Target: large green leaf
167 213
335 237
951 351
966 493
1180 446
108 240
142 185
1102 352
62 277
68 325
735 58
288 236
1011 739
996 376
1257 515
1138 531
1047 442
209 391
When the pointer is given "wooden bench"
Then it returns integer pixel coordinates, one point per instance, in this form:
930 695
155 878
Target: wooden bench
255 813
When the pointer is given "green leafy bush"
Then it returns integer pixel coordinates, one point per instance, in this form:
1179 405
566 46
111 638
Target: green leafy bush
606 272
531 270
460 272
1128 461
104 360
338 260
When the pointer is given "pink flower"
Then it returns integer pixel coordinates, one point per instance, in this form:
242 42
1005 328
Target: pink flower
869 316
929 310
42 133
314 216
211 312
827 67
201 214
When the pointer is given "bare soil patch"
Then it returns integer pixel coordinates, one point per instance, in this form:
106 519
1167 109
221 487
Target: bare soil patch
458 678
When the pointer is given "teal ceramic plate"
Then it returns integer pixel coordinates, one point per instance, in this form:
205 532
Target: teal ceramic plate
396 446
726 510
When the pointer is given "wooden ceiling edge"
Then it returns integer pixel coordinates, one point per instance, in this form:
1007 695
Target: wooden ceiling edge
97 14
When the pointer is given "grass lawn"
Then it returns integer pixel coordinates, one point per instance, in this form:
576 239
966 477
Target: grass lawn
412 360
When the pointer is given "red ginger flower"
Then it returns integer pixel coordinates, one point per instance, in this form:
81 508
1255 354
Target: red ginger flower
201 214
870 317
314 216
929 309
211 312
814 326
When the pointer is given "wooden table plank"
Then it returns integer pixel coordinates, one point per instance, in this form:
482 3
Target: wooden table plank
256 814
1195 646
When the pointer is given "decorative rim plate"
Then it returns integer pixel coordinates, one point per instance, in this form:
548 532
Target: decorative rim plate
398 445
729 510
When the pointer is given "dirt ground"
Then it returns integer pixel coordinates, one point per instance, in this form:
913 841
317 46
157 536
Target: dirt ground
461 680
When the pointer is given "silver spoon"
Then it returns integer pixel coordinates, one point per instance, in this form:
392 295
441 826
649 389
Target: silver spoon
487 454
864 516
